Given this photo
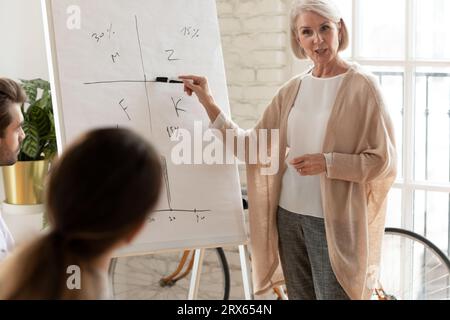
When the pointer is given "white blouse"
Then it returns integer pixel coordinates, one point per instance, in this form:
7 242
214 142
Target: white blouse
306 128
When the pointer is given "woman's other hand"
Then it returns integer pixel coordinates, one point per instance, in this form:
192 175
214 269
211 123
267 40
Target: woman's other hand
310 164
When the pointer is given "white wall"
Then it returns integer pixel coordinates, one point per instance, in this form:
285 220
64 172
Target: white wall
258 60
257 54
22 56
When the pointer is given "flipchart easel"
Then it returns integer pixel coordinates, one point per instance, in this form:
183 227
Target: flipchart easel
109 61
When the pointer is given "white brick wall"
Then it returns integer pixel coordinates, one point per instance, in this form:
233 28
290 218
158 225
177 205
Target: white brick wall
257 55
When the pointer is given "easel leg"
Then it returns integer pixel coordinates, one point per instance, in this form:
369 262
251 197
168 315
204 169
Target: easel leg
245 267
279 291
196 271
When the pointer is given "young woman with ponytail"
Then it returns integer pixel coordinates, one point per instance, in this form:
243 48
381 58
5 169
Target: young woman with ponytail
99 196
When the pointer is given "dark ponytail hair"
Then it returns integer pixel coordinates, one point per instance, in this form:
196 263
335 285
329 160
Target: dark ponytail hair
100 191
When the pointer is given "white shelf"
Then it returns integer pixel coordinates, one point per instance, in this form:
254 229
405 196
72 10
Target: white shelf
22 209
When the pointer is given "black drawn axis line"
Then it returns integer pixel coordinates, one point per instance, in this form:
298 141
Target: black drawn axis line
166 181
143 70
183 210
168 195
118 81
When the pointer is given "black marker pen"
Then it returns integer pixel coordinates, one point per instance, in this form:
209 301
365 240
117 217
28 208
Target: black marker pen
165 79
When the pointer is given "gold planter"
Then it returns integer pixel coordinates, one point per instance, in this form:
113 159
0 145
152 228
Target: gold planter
24 182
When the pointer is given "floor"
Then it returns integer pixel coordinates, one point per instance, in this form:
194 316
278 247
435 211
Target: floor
140 277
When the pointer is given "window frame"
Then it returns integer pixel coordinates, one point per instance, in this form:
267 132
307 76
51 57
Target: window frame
407 184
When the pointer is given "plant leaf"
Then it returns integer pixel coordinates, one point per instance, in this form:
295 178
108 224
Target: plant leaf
45 102
39 119
30 90
30 145
40 84
50 148
39 124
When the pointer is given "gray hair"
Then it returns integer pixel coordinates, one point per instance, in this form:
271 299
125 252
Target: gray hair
325 8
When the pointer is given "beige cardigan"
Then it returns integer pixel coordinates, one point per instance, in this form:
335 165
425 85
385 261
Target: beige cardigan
360 137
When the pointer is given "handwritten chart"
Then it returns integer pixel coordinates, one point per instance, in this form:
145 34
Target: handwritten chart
105 76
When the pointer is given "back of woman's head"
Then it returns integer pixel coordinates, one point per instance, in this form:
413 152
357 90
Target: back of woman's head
103 187
99 193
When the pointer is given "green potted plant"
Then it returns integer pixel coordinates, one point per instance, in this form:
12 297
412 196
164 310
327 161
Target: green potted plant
24 181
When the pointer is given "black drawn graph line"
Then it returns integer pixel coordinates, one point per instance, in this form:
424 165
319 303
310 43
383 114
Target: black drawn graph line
119 81
166 180
145 74
126 81
182 210
168 193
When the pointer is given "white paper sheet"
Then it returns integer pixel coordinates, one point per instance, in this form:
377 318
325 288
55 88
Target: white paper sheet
103 76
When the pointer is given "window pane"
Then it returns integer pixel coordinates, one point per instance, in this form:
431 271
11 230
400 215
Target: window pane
394 209
391 80
433 29
382 30
345 6
432 125
431 217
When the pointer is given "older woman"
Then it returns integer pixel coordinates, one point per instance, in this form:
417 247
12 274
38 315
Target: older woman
322 215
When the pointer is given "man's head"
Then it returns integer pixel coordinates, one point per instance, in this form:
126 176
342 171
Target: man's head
12 96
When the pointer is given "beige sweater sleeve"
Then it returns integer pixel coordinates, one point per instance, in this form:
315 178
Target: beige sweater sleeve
261 135
377 160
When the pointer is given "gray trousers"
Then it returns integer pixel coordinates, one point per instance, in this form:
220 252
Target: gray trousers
304 258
